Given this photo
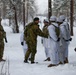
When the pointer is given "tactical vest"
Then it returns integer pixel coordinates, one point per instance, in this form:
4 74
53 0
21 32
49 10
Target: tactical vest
57 30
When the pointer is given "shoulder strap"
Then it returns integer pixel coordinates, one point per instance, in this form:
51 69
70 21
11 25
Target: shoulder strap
57 30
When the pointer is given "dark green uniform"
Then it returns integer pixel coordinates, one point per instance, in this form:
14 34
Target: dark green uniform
45 30
30 36
2 36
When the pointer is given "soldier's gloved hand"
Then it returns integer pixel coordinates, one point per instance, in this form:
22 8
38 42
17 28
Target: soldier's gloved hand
6 40
42 41
75 49
22 43
58 39
70 39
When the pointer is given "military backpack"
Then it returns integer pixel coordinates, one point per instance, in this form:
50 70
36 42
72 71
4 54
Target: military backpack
57 30
27 31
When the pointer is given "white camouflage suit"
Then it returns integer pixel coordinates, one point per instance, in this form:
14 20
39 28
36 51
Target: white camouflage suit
45 40
53 45
65 36
45 44
25 47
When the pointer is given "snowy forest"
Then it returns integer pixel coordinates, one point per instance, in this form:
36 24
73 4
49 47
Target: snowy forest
22 11
14 10
15 15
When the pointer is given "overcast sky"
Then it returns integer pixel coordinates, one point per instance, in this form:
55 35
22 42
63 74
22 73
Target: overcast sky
42 5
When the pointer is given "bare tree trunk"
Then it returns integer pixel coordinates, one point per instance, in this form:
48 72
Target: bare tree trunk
17 28
27 10
71 16
24 14
49 8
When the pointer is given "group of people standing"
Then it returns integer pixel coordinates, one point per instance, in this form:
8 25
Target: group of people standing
56 45
30 34
55 39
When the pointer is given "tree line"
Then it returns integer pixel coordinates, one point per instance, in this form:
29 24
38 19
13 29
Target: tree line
13 10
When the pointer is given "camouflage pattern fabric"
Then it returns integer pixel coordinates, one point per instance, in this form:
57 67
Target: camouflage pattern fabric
2 36
45 30
1 49
57 30
2 33
30 36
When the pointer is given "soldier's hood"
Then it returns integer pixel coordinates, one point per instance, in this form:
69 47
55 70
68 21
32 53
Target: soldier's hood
64 23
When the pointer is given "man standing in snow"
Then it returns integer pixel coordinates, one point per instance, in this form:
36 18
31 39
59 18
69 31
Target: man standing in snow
30 35
53 43
45 40
65 31
23 43
2 37
61 46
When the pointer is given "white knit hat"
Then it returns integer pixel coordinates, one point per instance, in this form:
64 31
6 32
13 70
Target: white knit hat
53 18
62 17
59 20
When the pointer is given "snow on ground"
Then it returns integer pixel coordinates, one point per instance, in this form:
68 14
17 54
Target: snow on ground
14 53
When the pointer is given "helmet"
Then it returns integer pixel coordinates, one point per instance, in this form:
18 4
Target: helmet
62 17
53 18
46 20
59 20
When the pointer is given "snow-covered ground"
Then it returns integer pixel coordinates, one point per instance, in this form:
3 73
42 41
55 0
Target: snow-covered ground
14 54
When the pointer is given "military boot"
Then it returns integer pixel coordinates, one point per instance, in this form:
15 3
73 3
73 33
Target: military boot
29 59
48 59
66 61
51 65
32 62
60 62
2 60
25 61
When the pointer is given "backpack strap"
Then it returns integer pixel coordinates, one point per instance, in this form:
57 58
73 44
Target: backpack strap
57 30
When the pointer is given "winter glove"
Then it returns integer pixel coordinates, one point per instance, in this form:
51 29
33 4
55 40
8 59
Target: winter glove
42 41
22 43
58 39
75 49
70 39
6 40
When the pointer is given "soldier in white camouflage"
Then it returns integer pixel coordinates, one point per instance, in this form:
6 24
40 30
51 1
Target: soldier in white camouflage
45 40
